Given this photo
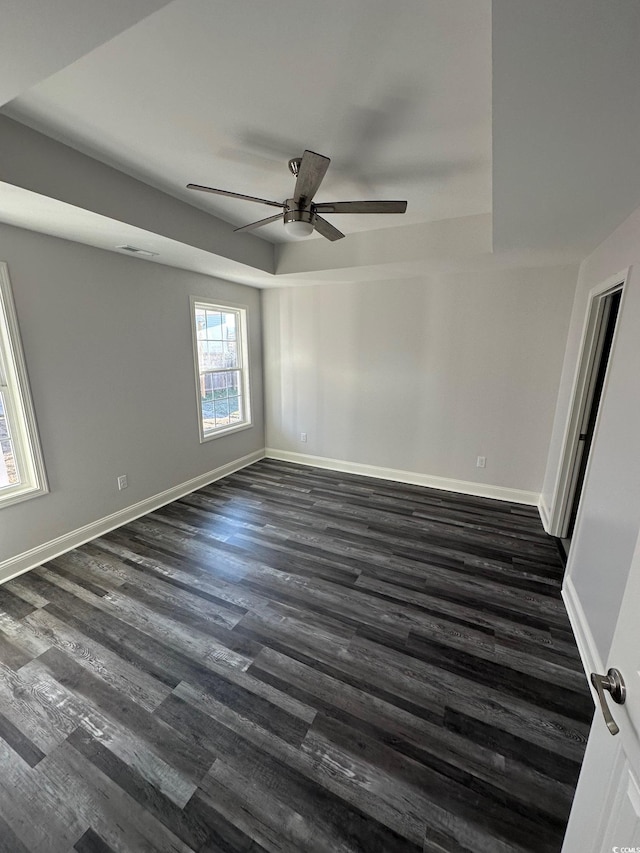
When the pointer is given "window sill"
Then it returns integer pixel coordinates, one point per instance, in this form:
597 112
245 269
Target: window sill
226 431
24 494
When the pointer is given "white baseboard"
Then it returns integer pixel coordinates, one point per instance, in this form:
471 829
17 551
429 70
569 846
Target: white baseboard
589 654
54 548
40 554
499 493
543 510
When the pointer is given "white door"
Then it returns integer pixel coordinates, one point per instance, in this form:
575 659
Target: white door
605 817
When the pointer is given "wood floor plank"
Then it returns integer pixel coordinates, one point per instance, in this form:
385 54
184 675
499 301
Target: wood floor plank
111 668
174 746
412 797
294 659
133 744
191 640
13 604
272 824
144 792
21 635
19 742
35 705
224 836
453 756
21 587
90 842
104 806
9 841
285 771
40 816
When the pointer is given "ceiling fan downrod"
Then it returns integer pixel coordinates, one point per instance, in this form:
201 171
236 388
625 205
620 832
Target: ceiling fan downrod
294 166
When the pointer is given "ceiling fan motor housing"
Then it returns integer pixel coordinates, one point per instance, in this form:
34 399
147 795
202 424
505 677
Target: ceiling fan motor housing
295 212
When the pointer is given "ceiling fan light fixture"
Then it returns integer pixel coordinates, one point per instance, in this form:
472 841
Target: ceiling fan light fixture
298 223
298 229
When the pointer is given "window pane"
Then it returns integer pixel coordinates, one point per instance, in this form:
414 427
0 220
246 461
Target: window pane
233 382
221 384
230 354
230 326
214 325
201 323
204 356
4 427
8 470
235 409
206 385
216 355
222 411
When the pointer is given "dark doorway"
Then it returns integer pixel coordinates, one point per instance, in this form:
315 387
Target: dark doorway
598 372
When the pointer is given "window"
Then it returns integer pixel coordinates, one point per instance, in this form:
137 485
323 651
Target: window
21 466
222 373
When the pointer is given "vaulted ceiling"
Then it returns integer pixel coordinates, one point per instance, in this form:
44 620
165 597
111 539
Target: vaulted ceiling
511 128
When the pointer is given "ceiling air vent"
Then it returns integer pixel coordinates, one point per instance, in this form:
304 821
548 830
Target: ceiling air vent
134 250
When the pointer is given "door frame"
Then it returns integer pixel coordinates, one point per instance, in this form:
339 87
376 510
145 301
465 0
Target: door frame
561 503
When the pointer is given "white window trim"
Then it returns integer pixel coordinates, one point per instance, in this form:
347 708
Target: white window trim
15 384
217 305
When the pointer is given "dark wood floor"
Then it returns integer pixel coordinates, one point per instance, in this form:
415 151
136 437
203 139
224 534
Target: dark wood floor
294 660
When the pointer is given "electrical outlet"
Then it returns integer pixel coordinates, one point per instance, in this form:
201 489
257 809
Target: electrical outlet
303 436
122 482
481 462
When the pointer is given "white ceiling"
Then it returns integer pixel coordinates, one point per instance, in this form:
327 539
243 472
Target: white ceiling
224 93
511 128
37 39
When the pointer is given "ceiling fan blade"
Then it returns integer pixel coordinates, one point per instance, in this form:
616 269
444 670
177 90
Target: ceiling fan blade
361 207
326 229
235 195
260 222
311 171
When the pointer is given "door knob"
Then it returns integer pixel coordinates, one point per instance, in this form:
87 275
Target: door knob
614 683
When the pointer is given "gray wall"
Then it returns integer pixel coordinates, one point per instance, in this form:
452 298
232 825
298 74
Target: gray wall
107 341
421 375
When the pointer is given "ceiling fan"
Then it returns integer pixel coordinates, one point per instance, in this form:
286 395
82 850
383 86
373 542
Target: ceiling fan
300 214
